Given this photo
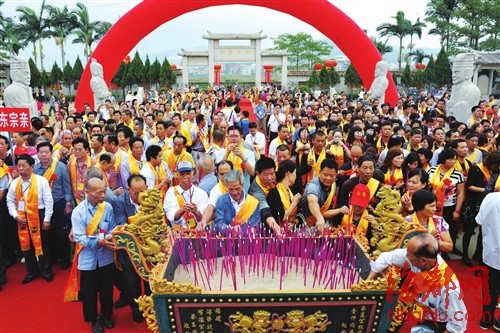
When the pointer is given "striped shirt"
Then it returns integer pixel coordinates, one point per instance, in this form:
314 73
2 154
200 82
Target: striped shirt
456 179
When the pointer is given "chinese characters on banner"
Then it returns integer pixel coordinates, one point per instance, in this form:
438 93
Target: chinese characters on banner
15 120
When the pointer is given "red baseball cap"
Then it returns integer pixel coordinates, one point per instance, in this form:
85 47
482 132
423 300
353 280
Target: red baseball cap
360 196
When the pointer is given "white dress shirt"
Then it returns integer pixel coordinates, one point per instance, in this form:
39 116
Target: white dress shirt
489 220
259 139
150 174
170 205
45 200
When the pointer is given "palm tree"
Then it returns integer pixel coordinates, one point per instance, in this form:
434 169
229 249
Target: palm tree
399 30
382 47
11 38
35 27
88 32
415 29
441 13
62 24
419 55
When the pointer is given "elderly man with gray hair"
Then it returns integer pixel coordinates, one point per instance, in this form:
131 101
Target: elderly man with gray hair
236 210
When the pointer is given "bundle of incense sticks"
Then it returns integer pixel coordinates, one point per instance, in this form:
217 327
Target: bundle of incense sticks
324 261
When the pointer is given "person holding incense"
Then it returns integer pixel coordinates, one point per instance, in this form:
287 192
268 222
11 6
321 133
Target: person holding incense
418 179
437 303
424 204
281 197
311 163
448 185
236 210
317 204
358 220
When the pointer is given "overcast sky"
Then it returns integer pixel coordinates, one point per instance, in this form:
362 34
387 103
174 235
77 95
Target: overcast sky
186 31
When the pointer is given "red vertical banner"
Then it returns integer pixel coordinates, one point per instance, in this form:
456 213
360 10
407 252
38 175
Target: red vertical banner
217 68
267 74
15 120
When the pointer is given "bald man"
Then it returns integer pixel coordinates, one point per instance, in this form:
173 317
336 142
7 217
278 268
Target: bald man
430 284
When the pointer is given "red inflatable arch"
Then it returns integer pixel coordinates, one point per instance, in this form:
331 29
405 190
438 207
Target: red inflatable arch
333 23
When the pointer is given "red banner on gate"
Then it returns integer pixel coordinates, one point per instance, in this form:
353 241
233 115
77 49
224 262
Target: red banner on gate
15 119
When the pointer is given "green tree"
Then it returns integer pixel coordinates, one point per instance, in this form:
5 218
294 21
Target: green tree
441 13
414 29
11 37
313 81
430 71
88 32
77 70
352 78
419 56
418 79
406 78
68 76
118 77
135 70
154 72
56 74
442 69
45 79
167 75
382 47
35 74
324 79
334 76
35 28
62 24
400 30
304 50
145 71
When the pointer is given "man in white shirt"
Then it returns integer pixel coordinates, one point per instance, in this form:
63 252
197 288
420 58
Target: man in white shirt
184 203
489 220
256 139
281 139
229 113
30 203
440 299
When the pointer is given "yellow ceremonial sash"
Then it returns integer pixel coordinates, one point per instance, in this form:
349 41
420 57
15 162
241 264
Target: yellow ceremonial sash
464 171
330 200
49 173
165 145
316 168
497 183
286 196
73 284
409 147
188 216
439 186
338 154
172 162
56 147
30 204
430 223
246 211
237 161
203 139
393 179
485 171
133 164
373 186
4 170
265 189
472 156
78 185
380 145
349 227
222 187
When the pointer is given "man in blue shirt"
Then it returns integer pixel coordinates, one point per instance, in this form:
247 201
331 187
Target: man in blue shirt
260 112
57 175
95 259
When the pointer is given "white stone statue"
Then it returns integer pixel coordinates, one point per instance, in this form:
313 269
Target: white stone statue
98 85
19 94
464 93
380 83
140 95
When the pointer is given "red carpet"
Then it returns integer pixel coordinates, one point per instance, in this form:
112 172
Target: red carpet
38 306
246 105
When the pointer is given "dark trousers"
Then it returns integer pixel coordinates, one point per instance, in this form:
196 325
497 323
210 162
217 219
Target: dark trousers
59 243
131 281
44 260
52 108
8 235
94 283
448 217
493 293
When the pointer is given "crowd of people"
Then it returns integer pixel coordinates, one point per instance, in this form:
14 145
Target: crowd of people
305 164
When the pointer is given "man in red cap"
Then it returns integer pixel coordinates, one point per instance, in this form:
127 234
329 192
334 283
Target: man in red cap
357 221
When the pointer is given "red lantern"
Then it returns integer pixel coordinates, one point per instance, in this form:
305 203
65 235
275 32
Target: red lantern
417 66
318 67
422 66
330 63
173 66
126 59
267 75
217 68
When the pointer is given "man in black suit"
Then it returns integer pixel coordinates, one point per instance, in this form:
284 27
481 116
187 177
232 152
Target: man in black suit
126 205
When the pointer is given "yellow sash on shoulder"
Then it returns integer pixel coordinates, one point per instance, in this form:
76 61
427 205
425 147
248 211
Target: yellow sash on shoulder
485 171
50 172
246 211
316 168
373 186
78 187
350 228
73 284
472 156
31 214
430 223
237 161
222 187
338 154
133 164
331 199
395 178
